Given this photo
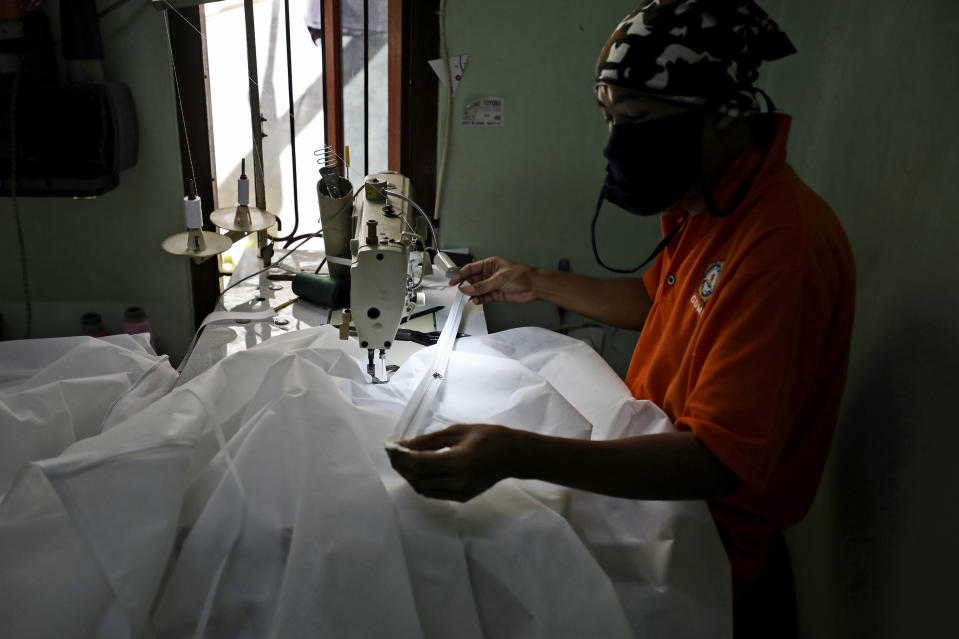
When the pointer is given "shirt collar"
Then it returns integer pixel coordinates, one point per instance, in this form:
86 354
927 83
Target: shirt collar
758 162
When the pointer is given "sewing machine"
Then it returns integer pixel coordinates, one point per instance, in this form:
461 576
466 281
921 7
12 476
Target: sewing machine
375 244
380 273
382 287
368 249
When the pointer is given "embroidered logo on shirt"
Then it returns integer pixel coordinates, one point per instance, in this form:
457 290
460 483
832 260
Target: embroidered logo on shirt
708 285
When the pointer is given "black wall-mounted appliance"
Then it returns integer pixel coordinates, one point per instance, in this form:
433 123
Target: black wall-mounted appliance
62 138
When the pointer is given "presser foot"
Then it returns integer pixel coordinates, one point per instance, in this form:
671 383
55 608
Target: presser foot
371 367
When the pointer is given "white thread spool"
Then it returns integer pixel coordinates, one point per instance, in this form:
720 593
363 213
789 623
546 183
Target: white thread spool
243 191
193 211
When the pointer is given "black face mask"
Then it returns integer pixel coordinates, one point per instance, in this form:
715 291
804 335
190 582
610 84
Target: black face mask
651 165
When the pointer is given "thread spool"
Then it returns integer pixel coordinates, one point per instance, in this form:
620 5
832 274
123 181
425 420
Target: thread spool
91 324
135 321
242 217
193 211
243 186
243 191
195 242
321 290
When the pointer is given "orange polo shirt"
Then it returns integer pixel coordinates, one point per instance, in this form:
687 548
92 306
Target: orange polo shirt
747 343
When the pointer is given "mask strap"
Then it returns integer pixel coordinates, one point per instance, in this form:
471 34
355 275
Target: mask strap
656 251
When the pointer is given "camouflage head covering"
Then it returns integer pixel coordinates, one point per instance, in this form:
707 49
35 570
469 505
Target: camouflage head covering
703 52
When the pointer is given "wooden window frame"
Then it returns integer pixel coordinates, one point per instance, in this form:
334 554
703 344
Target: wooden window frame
413 94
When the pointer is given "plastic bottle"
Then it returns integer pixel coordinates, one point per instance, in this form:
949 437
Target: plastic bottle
92 324
135 321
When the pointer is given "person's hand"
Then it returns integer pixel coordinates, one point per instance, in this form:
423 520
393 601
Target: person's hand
456 463
497 280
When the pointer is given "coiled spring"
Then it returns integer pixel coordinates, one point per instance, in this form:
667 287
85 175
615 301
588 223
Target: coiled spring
326 156
328 160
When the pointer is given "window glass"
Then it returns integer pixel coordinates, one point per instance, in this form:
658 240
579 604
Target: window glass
230 111
355 89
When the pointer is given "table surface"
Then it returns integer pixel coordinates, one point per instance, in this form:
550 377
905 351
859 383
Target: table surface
219 339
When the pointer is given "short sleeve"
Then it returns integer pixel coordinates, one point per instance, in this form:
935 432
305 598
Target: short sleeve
751 381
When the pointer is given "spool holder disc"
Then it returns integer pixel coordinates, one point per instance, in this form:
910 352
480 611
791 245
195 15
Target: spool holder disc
196 243
249 221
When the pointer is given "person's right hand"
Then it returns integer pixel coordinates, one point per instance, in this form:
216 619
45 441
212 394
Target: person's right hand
497 280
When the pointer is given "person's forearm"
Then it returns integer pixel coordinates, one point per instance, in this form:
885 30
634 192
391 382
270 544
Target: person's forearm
621 302
661 466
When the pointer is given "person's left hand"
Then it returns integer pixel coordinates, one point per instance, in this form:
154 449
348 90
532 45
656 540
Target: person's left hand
456 463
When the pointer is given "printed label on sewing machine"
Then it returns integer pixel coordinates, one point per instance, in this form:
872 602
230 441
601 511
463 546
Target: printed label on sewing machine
484 112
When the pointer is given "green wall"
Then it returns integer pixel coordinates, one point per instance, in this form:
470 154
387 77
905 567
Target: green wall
527 191
104 254
873 92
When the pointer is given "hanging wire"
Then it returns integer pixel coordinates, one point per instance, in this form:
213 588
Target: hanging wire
289 86
176 83
366 87
447 123
199 33
323 34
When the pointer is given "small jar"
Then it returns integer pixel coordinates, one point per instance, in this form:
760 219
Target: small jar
135 321
91 324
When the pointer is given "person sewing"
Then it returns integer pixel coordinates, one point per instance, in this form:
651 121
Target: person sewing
746 313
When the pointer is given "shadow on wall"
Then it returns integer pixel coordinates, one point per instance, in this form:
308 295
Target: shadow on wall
897 486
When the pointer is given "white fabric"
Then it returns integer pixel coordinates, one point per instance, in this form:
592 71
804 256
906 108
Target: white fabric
332 543
56 391
417 415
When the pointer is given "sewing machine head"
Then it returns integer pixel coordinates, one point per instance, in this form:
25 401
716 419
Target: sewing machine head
381 279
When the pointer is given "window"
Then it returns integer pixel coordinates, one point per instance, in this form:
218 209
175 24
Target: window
376 108
301 82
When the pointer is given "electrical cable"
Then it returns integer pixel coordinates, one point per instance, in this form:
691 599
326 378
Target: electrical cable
441 13
422 242
16 206
415 234
302 235
429 222
422 270
291 251
196 333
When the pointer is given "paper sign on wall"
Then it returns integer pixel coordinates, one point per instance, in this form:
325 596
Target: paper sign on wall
486 111
457 65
